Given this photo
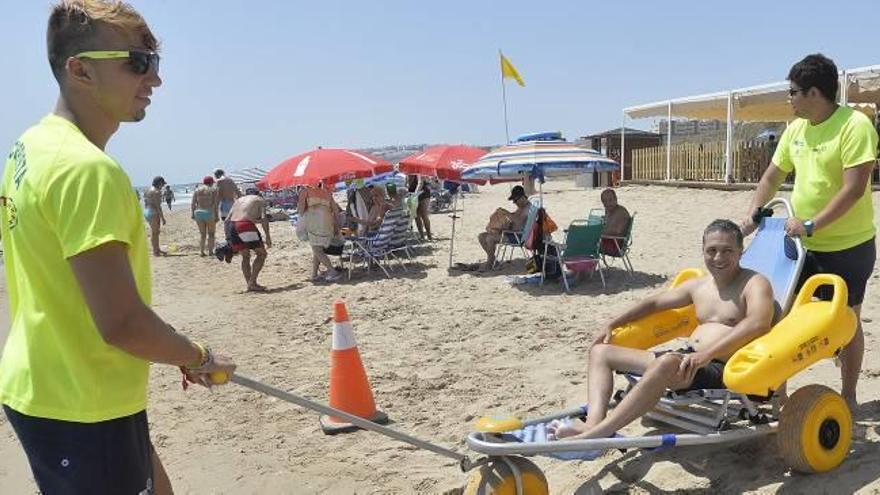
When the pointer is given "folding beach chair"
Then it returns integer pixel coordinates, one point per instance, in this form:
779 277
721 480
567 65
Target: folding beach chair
596 215
578 252
376 248
513 239
621 245
813 430
400 237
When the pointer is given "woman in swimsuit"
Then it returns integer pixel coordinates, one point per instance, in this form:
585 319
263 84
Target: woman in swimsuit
423 223
153 213
205 213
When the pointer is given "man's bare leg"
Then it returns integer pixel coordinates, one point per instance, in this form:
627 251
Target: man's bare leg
488 242
161 483
851 361
246 265
259 261
662 373
154 235
605 359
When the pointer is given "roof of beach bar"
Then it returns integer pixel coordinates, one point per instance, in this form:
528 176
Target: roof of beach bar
763 103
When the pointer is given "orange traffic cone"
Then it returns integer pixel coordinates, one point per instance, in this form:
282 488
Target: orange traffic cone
349 388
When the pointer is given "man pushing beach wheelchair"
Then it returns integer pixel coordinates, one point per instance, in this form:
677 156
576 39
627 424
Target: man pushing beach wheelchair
747 334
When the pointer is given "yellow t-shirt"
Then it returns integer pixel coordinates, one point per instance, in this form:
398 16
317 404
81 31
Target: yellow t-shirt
819 154
63 196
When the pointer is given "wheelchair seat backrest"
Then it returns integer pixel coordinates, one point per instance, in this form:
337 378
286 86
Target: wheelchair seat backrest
777 257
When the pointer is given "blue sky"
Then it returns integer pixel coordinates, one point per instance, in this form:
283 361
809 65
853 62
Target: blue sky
252 83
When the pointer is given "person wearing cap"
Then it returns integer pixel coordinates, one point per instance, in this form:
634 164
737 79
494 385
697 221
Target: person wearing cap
242 235
502 220
227 192
395 199
205 212
153 212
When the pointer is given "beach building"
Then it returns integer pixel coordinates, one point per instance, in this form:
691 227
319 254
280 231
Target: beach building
725 137
609 144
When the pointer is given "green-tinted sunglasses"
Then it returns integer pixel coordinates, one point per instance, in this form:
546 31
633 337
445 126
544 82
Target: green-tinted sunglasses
139 61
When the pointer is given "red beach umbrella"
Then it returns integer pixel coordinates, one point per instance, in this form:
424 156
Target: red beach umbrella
328 165
445 162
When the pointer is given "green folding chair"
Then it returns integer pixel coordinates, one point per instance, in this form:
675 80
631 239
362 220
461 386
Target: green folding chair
579 252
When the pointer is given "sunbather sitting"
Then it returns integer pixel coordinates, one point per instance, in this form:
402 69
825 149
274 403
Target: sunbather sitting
503 219
734 305
616 221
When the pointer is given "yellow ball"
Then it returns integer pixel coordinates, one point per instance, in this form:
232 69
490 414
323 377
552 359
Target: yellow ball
219 377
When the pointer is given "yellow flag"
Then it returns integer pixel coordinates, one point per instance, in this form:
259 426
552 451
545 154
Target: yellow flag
509 71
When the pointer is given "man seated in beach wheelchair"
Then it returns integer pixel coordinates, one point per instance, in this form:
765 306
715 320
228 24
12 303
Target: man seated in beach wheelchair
727 383
733 306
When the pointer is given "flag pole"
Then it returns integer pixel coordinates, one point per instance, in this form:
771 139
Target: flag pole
504 99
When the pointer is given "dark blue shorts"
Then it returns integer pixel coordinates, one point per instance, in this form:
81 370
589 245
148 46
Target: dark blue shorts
710 377
108 457
854 265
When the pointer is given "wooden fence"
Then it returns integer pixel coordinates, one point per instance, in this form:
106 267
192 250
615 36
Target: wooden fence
702 162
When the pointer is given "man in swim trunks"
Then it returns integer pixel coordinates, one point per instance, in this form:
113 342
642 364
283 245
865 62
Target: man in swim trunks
243 236
227 192
168 193
734 306
153 213
205 212
616 220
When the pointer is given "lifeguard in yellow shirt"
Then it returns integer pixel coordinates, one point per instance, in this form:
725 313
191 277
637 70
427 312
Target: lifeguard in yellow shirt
73 375
832 150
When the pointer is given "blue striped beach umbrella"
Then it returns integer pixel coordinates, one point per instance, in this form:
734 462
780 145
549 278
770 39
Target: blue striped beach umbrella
540 159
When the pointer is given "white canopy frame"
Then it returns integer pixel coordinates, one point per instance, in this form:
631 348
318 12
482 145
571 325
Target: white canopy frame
860 88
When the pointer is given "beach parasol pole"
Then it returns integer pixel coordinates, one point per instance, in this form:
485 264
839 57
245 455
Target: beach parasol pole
452 236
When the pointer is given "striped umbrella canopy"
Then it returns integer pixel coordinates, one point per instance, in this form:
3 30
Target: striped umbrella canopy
250 175
539 159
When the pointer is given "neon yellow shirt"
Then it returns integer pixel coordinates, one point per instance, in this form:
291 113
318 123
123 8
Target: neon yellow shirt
819 154
64 196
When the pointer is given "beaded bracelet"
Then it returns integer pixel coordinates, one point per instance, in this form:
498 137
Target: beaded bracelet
206 358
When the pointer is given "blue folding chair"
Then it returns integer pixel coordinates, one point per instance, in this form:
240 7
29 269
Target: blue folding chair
513 239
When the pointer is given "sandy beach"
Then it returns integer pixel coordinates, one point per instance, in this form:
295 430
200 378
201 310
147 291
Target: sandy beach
441 349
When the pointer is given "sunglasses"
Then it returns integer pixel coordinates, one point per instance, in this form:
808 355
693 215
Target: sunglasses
139 61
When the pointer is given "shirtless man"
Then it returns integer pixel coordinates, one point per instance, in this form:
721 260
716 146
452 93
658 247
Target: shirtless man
243 236
616 221
734 306
205 207
153 212
503 219
227 192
